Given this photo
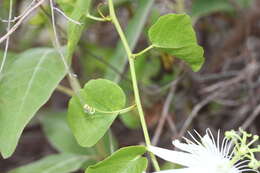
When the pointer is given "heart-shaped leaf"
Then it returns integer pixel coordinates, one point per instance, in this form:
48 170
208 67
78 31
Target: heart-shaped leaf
173 33
25 86
125 160
98 94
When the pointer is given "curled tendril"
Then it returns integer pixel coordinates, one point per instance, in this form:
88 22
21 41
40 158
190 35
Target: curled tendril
89 110
99 9
243 149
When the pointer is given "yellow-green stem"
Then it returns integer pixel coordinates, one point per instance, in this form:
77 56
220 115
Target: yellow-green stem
180 6
65 90
100 19
134 80
143 51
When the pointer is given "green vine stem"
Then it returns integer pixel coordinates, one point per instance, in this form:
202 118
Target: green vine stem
114 20
143 51
65 90
92 110
180 6
100 19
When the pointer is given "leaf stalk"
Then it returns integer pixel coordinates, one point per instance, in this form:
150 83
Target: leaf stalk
143 51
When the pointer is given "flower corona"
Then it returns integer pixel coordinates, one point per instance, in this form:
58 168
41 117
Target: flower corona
207 155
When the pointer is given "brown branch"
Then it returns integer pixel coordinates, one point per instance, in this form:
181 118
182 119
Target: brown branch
196 110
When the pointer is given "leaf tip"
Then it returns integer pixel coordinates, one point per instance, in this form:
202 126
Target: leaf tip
6 154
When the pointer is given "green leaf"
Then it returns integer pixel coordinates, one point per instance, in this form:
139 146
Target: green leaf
125 160
101 95
191 54
60 163
26 85
66 5
173 33
9 60
170 165
74 30
61 138
131 119
107 144
59 134
133 32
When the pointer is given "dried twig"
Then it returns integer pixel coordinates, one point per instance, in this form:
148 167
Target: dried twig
250 69
171 125
196 110
251 118
57 42
21 15
19 22
8 38
66 17
165 112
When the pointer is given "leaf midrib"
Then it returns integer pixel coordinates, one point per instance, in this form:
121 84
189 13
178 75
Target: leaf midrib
30 83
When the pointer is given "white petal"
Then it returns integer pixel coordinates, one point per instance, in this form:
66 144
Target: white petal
208 143
180 158
183 170
190 148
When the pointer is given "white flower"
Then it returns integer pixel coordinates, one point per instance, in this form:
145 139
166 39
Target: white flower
204 156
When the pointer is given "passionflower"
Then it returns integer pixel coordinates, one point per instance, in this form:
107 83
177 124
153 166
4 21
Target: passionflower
207 155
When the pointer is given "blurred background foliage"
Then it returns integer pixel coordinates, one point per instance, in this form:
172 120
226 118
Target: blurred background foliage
224 95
